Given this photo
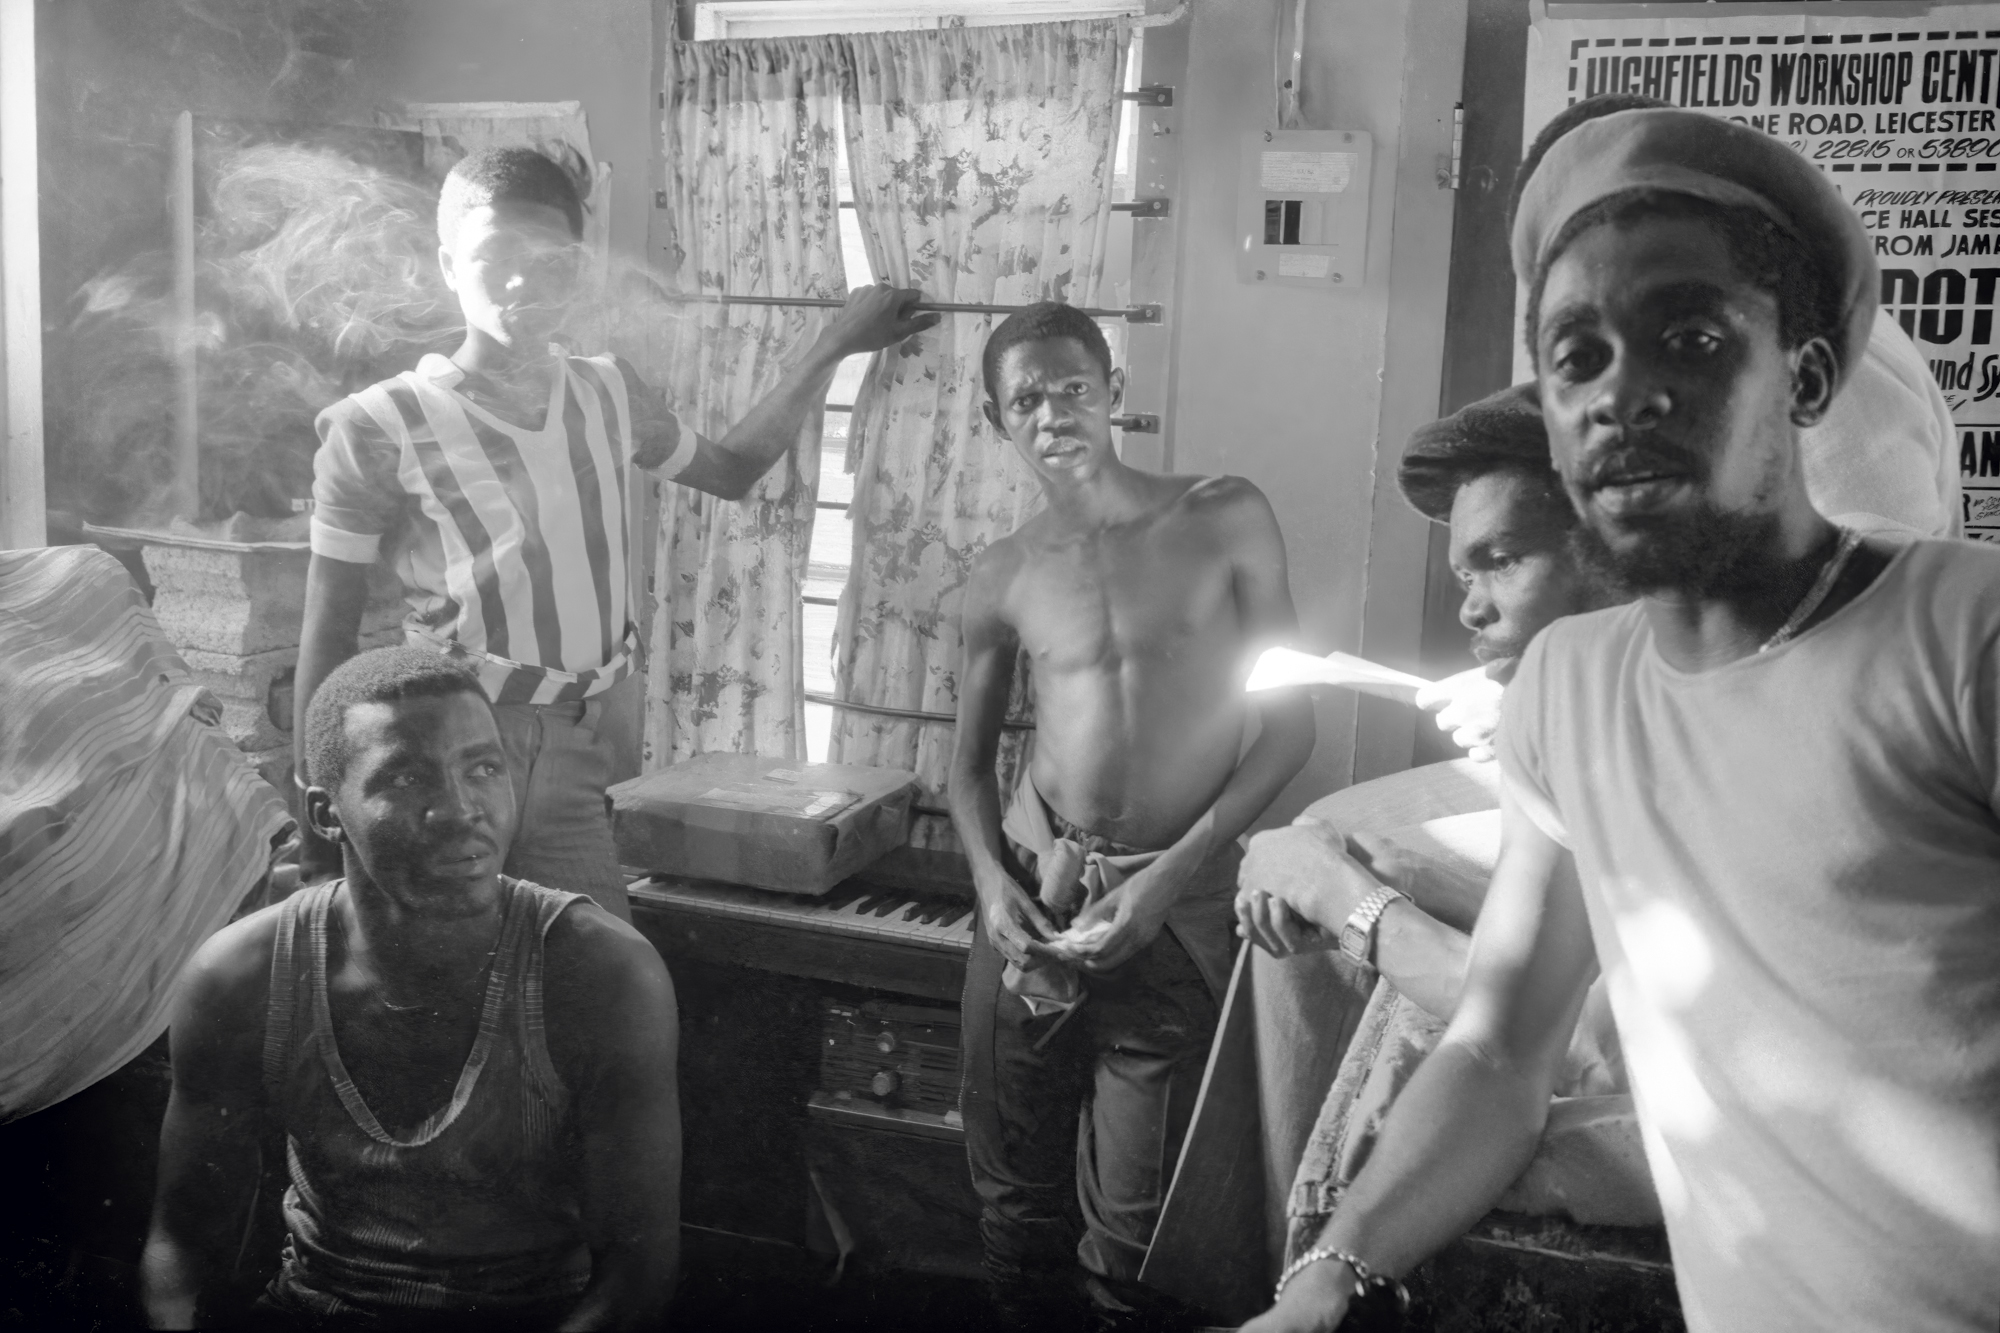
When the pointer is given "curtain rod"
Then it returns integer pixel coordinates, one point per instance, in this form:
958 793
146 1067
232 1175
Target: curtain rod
915 715
1147 208
1138 314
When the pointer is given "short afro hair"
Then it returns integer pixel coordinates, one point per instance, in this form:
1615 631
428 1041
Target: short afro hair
1500 433
1039 323
510 175
382 675
1769 256
1565 120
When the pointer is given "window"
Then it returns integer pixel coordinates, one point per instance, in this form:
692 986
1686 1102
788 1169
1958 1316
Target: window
833 534
797 18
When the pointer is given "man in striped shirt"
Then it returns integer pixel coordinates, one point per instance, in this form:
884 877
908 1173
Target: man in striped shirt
494 483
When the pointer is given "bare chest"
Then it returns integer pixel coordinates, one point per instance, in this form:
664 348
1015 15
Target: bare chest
1116 600
405 1060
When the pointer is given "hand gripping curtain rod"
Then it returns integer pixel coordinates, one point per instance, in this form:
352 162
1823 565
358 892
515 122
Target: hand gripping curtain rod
1138 314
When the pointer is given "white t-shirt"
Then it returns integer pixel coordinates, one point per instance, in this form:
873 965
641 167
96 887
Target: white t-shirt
1792 869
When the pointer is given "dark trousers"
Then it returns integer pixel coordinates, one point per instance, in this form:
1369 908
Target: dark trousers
1072 1140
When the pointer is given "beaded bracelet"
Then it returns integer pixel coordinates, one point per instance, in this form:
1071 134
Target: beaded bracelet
1364 1277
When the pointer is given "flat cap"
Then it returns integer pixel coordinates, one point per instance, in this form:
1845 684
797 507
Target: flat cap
1688 153
1502 431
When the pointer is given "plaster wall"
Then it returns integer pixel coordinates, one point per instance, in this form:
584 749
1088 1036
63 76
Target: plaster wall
1286 386
598 52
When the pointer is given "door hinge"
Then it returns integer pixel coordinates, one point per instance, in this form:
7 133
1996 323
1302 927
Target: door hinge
1451 170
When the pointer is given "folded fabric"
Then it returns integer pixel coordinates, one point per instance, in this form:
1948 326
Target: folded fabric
1072 878
130 826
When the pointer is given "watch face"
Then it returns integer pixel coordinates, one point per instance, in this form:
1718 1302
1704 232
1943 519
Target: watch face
1354 942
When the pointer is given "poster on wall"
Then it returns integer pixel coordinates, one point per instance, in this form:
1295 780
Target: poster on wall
1903 114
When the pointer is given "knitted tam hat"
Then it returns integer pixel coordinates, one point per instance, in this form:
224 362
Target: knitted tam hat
1687 153
1501 432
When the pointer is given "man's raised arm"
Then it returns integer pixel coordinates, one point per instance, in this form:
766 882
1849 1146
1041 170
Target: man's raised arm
1015 923
210 1140
1467 1125
873 318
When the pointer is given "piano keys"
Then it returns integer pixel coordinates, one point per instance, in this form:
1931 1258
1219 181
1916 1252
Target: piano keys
752 970
862 933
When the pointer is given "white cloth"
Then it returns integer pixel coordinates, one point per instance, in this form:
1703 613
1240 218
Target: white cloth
1072 878
1792 869
1886 455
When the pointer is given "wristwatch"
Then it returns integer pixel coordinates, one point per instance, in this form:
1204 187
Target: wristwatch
1357 937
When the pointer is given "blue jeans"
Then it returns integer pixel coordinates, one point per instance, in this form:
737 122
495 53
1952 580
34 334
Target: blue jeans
562 757
1072 1137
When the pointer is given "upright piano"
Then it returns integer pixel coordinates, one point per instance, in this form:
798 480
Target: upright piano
819 1055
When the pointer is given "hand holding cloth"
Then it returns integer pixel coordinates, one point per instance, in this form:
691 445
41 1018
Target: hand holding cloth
1074 869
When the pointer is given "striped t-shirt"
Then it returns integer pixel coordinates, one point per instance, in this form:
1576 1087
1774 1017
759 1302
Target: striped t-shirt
511 543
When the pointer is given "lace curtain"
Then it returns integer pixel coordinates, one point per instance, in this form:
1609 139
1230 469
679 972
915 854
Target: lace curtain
982 167
752 132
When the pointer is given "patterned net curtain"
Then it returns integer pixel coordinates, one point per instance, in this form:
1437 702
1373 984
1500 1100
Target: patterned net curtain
752 146
982 161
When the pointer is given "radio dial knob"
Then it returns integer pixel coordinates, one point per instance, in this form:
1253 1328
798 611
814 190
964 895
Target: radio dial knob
884 1084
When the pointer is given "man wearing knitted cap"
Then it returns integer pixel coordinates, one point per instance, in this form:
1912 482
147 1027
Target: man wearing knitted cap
1484 471
1390 873
1885 456
1762 798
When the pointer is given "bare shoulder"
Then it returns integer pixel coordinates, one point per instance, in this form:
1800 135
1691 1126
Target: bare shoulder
1004 555
220 1010
1233 505
231 971
591 958
993 573
609 997
1222 495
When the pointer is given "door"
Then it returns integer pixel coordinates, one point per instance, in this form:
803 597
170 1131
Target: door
1479 306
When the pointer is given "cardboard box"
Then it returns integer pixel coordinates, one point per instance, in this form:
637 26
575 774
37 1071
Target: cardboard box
767 823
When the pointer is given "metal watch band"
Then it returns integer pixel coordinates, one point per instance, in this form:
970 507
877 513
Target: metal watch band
1357 937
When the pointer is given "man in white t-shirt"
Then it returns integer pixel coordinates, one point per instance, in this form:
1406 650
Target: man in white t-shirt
1762 798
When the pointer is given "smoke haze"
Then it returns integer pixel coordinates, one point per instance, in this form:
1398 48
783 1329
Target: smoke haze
315 275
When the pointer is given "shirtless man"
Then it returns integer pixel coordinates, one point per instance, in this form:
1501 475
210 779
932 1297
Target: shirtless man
1139 601
474 1075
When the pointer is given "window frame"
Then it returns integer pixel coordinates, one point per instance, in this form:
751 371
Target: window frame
718 20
